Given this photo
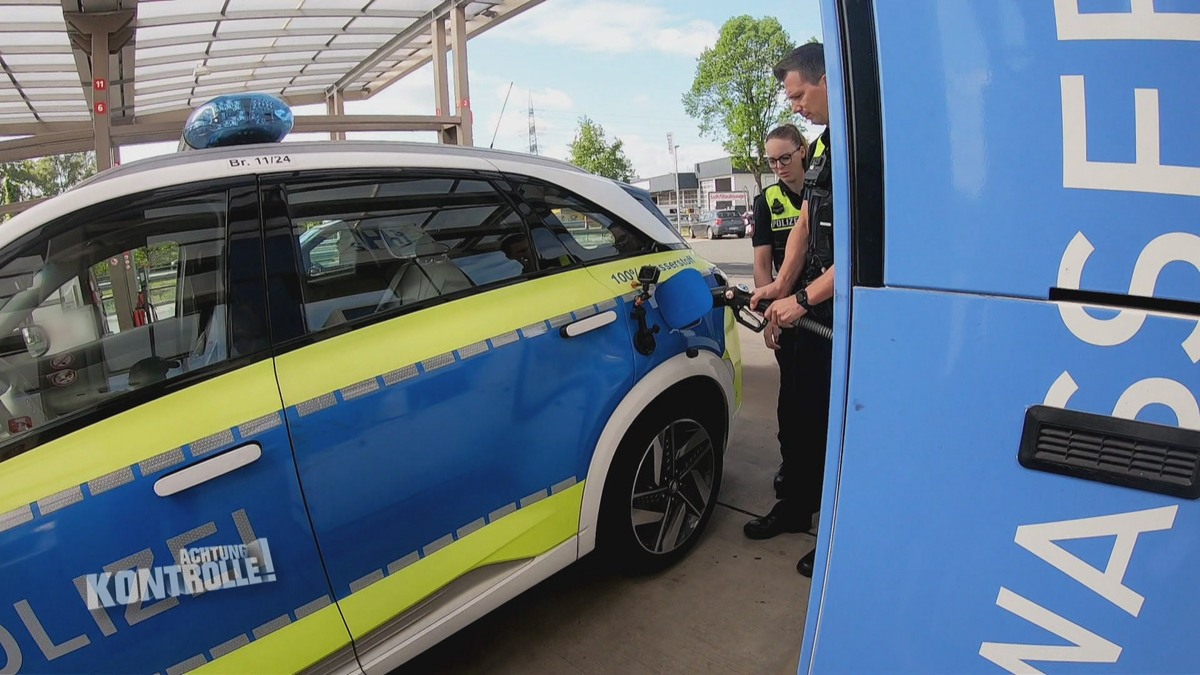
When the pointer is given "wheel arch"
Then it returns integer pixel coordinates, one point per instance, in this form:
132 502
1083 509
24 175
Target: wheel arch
679 376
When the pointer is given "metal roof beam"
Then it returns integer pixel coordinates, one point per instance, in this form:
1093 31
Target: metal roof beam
265 35
79 138
186 71
40 129
35 49
31 28
403 38
351 123
18 207
329 13
144 92
248 51
389 78
10 95
39 67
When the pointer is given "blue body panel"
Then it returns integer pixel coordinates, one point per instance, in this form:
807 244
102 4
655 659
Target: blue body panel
988 210
931 493
707 335
393 471
40 559
993 197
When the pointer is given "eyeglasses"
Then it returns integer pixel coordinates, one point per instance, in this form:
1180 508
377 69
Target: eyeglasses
782 160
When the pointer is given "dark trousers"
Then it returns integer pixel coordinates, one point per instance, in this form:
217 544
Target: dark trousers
805 369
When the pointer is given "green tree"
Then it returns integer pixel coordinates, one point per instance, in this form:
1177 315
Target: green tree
43 177
735 96
592 152
46 176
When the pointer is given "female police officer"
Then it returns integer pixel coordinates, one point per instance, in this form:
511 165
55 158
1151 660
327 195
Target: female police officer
776 211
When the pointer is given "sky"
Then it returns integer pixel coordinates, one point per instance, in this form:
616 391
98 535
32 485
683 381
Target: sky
624 63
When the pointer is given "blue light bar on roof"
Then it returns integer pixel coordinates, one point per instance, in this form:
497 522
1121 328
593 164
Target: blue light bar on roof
237 119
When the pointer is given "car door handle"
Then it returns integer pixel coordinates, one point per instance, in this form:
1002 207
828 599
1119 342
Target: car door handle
591 323
204 471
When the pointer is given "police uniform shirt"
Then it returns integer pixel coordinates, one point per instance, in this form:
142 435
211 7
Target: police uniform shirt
765 234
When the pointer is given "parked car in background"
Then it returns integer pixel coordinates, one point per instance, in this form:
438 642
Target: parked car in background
716 224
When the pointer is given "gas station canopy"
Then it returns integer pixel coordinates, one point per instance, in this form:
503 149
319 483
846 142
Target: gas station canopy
166 57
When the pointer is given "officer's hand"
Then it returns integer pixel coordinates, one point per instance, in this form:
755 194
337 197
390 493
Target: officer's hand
771 335
785 312
768 292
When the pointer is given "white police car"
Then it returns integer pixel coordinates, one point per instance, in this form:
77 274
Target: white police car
315 406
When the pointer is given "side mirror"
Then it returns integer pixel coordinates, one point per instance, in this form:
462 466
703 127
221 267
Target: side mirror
684 299
37 342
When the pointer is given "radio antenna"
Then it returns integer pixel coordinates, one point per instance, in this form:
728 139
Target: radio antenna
493 144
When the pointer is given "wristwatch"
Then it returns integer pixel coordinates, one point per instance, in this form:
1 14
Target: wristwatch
802 298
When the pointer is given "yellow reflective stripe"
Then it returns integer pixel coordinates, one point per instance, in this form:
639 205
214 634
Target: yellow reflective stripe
775 193
122 441
618 276
525 533
733 354
820 147
290 649
371 351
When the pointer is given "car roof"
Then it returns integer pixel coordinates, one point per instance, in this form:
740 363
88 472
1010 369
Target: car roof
315 148
182 168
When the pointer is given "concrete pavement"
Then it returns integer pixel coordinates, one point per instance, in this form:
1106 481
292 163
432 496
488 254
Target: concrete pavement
733 606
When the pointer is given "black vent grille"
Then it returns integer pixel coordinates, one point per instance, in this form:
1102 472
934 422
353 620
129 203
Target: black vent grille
1093 451
1130 453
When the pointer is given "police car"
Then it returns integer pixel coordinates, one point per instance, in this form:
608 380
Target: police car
316 406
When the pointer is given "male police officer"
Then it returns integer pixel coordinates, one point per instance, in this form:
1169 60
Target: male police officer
805 282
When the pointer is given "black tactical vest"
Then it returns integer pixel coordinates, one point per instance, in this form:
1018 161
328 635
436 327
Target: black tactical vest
818 184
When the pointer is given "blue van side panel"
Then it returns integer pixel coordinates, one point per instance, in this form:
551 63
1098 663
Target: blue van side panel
931 496
399 468
40 560
984 193
842 304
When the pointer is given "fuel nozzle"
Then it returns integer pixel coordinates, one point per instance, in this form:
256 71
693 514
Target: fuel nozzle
737 297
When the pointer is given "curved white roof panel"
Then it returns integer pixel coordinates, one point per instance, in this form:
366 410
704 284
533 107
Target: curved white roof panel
173 55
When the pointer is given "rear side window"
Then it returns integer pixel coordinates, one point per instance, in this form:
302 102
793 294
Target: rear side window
587 231
371 247
112 305
644 199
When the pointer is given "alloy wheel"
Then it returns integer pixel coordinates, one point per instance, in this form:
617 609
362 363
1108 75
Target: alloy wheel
672 486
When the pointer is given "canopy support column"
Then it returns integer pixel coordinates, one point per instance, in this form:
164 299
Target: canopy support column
441 81
462 90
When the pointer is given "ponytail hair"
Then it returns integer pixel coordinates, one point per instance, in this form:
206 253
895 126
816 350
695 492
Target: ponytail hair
789 132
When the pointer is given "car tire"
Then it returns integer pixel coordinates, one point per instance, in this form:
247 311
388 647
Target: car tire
712 234
742 235
630 534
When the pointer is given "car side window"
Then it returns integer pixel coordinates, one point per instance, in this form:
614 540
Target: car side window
94 310
372 246
588 232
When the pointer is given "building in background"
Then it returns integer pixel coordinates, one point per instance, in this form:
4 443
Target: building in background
714 185
662 191
724 186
